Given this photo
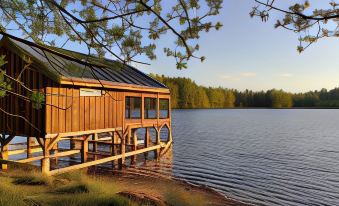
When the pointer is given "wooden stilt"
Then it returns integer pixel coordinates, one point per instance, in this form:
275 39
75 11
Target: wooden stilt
95 145
157 151
146 141
113 152
4 156
45 162
122 151
30 143
5 149
84 150
134 146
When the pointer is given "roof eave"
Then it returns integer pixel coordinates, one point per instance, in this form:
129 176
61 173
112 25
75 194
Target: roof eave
110 85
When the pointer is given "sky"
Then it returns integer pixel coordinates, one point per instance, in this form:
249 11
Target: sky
249 54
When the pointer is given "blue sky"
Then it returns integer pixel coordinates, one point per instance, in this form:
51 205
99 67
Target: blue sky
247 53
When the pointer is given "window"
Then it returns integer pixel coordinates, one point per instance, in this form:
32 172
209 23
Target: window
164 108
150 108
133 107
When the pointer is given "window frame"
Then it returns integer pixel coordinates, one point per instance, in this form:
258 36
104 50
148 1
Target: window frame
168 108
155 108
129 107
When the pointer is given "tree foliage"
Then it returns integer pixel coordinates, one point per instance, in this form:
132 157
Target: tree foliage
209 97
126 30
309 22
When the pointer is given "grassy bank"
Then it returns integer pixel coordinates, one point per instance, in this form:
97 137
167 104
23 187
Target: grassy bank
31 188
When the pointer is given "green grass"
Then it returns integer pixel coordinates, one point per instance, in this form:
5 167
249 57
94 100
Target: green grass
22 188
74 189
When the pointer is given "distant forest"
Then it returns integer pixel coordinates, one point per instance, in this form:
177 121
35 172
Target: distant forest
186 94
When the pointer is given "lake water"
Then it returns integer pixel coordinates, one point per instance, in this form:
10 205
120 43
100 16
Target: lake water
260 156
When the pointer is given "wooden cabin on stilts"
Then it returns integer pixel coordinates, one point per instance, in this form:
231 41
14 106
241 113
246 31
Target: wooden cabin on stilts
88 101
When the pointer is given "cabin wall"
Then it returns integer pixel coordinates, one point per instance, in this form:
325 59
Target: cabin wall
14 108
67 111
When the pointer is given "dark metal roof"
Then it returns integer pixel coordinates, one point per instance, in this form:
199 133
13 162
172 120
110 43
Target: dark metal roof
103 69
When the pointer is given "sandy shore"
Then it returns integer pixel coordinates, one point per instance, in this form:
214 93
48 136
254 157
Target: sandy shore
165 191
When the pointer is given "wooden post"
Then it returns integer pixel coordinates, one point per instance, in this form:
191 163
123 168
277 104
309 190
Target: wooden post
146 141
84 149
113 149
30 143
45 162
135 145
55 152
95 145
122 150
4 156
157 151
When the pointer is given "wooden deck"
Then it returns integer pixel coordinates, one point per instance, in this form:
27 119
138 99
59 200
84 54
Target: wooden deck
123 143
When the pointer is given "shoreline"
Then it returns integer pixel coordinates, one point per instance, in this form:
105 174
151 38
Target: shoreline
84 188
214 197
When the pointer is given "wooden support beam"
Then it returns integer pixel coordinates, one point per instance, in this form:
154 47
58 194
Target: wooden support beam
82 133
59 154
6 141
53 141
101 161
20 151
11 162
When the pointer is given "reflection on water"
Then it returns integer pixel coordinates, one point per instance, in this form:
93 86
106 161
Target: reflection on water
264 157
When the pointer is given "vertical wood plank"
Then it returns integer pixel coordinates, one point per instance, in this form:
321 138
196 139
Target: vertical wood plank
62 110
75 110
87 114
92 112
55 110
69 106
97 112
106 111
48 113
102 112
82 113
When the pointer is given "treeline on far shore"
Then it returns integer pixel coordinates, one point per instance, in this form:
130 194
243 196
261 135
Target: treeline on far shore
186 94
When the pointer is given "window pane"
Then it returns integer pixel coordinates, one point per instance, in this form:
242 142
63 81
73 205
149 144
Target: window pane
133 107
150 108
164 108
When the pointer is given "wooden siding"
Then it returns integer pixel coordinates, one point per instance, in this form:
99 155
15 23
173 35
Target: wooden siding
67 111
13 104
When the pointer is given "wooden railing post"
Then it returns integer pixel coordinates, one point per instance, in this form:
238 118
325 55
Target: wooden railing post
123 149
135 145
95 145
84 149
45 162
